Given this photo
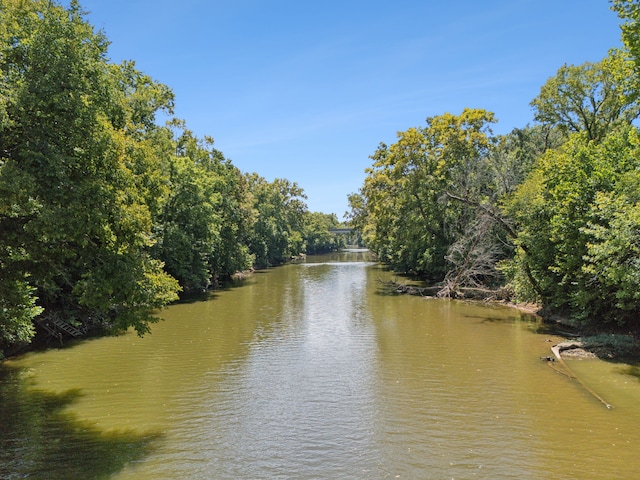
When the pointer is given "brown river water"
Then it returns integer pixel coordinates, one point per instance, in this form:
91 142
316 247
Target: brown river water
310 371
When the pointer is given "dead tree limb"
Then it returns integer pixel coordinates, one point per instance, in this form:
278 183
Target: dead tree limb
508 229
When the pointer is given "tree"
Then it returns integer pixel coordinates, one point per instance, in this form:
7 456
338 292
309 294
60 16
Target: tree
203 226
629 10
592 97
515 154
571 214
279 226
317 235
190 227
17 308
422 191
76 226
403 215
612 260
238 218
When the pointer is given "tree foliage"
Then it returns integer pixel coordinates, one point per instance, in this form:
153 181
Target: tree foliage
74 220
317 233
592 98
629 12
202 228
553 207
105 215
278 232
422 191
572 213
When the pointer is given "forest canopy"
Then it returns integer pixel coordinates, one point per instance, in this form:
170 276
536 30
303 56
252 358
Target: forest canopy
106 215
547 213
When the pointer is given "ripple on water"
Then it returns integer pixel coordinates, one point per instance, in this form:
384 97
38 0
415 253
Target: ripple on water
307 372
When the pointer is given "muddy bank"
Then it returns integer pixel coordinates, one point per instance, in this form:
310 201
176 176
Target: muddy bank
571 350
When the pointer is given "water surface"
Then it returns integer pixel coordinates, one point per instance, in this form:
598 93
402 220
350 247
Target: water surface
309 371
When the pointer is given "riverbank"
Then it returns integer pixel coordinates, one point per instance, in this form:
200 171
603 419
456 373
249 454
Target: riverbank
606 345
610 346
571 350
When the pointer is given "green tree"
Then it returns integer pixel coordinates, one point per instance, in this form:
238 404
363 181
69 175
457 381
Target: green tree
422 191
238 218
203 227
318 237
515 154
629 11
398 228
571 214
76 224
278 231
593 97
612 262
17 308
188 228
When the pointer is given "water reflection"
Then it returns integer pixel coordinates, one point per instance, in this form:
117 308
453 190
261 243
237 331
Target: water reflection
306 372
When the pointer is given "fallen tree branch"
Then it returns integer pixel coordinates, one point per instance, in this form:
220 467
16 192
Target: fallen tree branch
443 291
395 287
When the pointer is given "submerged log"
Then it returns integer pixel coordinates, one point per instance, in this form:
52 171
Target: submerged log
557 352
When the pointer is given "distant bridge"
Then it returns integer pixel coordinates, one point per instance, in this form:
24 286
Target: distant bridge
341 231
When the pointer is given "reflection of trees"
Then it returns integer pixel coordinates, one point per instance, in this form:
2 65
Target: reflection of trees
39 440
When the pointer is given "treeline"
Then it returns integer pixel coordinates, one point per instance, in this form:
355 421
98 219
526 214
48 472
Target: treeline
549 212
106 215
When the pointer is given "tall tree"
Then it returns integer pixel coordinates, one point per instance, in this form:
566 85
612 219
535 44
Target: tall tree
203 227
317 235
572 213
423 190
593 97
629 12
188 228
280 215
76 224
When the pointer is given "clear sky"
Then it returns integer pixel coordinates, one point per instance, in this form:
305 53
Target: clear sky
306 90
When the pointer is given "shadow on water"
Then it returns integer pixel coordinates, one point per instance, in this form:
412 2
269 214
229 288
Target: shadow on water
39 440
632 370
197 296
516 317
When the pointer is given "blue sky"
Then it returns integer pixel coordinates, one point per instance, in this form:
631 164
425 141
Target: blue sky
307 90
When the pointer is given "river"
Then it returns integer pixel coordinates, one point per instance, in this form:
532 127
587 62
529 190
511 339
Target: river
310 371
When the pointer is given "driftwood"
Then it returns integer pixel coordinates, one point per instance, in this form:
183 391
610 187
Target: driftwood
445 291
394 287
556 361
561 347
